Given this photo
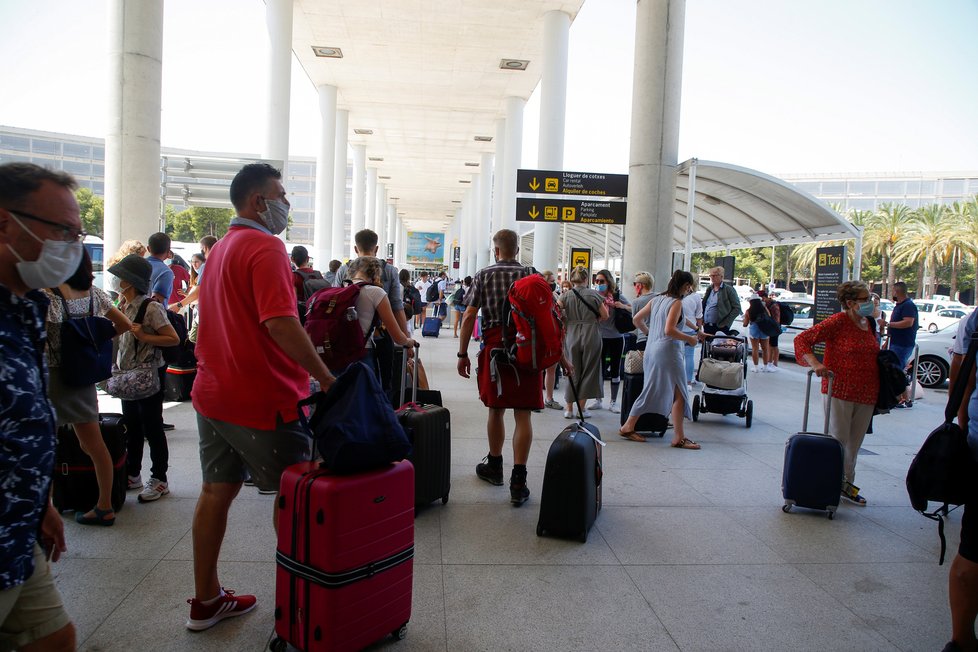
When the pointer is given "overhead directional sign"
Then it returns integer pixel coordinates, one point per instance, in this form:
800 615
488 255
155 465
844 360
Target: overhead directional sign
577 184
569 211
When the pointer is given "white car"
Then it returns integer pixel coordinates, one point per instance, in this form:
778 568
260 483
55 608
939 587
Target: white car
804 312
940 319
934 359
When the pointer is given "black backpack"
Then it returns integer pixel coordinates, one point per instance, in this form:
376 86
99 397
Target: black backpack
893 381
459 295
412 299
312 282
787 315
432 294
171 354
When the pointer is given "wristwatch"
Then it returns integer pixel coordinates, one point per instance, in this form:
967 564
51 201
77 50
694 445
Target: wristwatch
179 304
463 355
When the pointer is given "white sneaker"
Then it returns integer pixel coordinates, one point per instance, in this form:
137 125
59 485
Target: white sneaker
595 405
771 369
614 407
754 369
135 482
568 414
586 414
154 490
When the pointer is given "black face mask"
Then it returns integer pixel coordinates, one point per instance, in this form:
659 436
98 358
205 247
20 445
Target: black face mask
553 286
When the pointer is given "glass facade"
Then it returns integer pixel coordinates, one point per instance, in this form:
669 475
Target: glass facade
867 193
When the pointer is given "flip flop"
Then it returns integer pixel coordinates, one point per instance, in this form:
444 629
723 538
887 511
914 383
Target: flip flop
632 436
688 444
98 519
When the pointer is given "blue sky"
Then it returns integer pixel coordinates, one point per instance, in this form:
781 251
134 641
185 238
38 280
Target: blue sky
780 86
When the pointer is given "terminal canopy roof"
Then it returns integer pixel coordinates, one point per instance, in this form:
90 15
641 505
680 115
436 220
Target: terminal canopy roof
735 208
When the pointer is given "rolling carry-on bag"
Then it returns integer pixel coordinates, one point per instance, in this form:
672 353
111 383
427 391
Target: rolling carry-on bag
431 327
429 429
631 387
178 383
571 496
344 557
75 486
813 464
396 393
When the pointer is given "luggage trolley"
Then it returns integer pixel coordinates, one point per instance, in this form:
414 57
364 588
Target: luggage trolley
723 370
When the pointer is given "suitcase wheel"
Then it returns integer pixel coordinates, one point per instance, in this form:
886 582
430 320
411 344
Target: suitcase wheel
583 537
539 531
749 413
278 644
444 499
696 407
831 516
785 508
400 633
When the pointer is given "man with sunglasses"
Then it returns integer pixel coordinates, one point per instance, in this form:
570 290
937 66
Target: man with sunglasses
40 247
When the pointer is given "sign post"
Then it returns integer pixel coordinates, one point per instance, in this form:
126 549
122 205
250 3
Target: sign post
456 257
563 197
727 263
581 257
830 273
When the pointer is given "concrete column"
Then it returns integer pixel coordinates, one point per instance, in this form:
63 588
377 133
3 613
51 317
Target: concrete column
497 176
370 221
278 20
514 155
478 240
325 168
132 141
553 107
380 215
358 206
391 231
654 139
338 245
484 222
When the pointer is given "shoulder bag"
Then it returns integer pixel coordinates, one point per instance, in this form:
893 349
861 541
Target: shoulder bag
139 382
86 346
623 318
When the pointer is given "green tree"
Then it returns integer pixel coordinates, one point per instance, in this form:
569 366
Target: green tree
882 233
92 211
181 226
924 243
210 221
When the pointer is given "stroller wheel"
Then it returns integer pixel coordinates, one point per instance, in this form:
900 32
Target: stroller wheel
696 407
749 414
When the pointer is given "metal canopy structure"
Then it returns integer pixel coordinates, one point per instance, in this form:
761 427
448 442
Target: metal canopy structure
428 79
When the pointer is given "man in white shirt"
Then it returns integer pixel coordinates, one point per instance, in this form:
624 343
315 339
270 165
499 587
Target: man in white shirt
422 286
692 322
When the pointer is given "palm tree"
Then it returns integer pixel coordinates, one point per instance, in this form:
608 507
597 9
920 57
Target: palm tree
883 231
924 243
966 229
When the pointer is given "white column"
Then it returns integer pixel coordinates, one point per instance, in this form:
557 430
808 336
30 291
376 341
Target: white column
471 204
553 106
358 206
497 176
653 158
514 154
485 208
691 217
380 216
338 240
371 201
278 20
132 141
390 231
325 166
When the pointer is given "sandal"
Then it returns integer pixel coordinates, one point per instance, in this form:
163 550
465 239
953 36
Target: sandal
632 436
688 444
98 519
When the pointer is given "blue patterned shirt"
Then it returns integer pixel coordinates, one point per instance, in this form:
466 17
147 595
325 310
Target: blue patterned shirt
27 432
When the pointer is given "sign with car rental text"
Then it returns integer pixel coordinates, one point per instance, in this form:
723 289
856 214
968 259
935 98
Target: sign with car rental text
563 197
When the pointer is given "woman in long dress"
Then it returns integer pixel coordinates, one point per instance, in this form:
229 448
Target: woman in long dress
665 389
582 308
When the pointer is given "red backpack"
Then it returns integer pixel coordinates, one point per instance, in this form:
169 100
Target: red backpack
534 334
334 327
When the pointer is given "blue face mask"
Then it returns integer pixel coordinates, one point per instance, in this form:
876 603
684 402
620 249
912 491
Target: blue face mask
601 288
866 309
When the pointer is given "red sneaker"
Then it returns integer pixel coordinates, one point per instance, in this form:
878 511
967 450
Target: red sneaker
204 616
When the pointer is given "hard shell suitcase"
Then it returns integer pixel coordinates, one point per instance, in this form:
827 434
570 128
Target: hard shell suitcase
429 428
813 464
344 558
631 387
74 484
571 496
431 327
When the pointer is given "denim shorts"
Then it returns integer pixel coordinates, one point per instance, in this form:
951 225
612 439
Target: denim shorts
756 333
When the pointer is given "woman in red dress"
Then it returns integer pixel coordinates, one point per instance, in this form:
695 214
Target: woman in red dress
850 353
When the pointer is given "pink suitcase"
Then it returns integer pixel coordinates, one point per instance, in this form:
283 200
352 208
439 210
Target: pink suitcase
345 557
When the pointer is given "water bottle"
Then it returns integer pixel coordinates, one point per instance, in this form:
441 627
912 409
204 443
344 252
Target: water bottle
351 314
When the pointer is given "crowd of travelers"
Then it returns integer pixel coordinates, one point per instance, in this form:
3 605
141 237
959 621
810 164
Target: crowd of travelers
249 427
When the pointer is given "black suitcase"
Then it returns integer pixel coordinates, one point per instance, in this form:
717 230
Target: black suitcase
74 486
429 428
631 387
571 496
178 383
428 396
813 465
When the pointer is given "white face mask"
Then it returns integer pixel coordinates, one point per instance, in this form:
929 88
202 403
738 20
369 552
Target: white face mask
115 284
275 216
57 261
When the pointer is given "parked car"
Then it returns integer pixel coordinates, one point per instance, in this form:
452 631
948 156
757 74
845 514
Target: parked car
934 359
941 319
804 310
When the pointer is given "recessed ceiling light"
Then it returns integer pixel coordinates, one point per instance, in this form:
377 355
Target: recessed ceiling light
512 64
375 158
483 139
394 198
456 201
328 52
470 164
465 181
364 132
381 177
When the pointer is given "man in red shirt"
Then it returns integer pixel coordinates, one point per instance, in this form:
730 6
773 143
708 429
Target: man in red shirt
253 366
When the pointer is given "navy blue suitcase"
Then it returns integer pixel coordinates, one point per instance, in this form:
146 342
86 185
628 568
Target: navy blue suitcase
431 327
813 465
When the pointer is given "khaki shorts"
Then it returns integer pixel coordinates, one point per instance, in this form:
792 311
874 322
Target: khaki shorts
32 610
228 450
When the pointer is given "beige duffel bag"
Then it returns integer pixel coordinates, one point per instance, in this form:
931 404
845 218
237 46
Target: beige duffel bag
721 374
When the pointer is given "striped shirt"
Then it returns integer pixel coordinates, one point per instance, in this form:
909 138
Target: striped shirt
490 287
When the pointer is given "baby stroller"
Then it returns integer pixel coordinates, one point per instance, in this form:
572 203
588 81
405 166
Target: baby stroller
723 370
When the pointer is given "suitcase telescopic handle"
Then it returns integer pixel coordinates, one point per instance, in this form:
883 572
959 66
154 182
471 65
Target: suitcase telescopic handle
414 376
808 396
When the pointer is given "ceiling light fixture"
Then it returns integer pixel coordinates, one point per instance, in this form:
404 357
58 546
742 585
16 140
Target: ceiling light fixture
327 52
384 178
483 139
470 164
465 181
513 64
375 158
364 132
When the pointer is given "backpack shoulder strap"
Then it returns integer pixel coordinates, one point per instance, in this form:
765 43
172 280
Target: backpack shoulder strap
587 305
964 373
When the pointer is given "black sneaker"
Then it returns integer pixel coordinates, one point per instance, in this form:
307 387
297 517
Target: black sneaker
519 493
168 426
489 473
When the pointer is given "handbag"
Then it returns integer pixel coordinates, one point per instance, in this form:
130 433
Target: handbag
634 361
623 318
944 469
354 425
86 346
134 384
768 326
